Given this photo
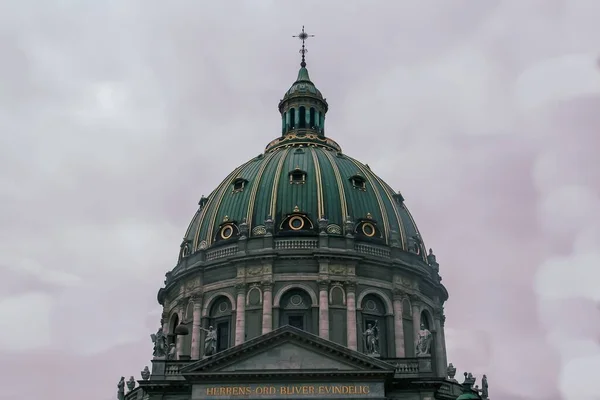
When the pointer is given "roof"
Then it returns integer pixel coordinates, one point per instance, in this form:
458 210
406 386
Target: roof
304 175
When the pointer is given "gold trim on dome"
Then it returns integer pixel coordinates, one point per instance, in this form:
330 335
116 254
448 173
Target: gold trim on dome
369 215
390 193
211 199
296 209
319 180
228 229
371 227
383 211
276 180
226 218
291 223
256 182
340 184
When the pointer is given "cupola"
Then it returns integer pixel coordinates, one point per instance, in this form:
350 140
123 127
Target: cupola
303 107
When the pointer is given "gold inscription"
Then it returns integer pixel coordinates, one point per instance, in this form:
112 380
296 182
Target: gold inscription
289 390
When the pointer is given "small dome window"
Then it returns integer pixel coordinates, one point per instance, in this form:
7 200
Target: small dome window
239 184
297 176
358 182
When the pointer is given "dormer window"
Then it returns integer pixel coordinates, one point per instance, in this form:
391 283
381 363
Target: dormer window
297 176
358 182
239 184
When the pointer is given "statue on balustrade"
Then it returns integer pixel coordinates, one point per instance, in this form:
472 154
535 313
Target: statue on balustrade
210 341
121 389
423 345
172 355
160 343
372 339
484 387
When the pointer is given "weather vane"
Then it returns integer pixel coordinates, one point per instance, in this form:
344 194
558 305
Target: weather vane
303 36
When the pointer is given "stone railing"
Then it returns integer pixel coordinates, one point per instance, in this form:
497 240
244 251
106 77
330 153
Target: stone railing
163 369
221 252
410 366
296 244
372 250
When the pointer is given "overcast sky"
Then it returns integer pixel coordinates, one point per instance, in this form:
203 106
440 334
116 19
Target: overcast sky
116 116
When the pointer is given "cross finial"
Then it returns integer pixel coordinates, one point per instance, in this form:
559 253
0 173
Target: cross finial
303 36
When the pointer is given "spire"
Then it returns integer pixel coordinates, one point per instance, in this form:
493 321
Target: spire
303 36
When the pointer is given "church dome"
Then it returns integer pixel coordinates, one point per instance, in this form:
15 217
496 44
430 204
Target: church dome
303 185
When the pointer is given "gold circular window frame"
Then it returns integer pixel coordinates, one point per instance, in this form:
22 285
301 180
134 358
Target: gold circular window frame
291 222
224 229
370 225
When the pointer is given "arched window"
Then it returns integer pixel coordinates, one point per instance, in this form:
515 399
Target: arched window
302 111
292 113
173 322
374 327
296 310
313 123
338 315
220 320
409 333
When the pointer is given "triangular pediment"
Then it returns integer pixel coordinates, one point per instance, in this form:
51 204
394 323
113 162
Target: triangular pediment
287 349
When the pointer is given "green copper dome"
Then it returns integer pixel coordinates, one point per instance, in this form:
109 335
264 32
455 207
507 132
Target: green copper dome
303 185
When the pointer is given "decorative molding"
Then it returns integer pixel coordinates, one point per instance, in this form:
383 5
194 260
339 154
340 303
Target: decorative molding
211 299
313 296
389 308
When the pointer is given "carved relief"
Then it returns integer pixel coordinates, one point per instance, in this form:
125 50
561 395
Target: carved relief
338 269
254 271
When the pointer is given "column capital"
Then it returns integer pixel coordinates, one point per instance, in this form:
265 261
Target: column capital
350 286
267 285
323 284
398 294
414 298
240 287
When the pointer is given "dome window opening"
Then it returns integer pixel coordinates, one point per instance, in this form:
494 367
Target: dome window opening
368 229
228 230
297 176
292 118
312 118
302 117
296 223
239 184
358 182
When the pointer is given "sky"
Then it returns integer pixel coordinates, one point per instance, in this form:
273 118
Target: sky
116 116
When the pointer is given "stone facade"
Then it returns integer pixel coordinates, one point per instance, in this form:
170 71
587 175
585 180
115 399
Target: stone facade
270 299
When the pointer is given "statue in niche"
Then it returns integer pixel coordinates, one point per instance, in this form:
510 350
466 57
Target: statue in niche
484 387
160 343
423 346
121 389
372 339
210 341
172 354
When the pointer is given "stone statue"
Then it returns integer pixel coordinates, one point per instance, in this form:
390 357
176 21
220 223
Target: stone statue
451 372
372 339
172 354
131 383
145 373
121 389
484 387
423 342
160 343
210 341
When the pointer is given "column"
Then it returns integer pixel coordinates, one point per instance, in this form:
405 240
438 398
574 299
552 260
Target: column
240 314
443 333
197 315
351 315
267 311
439 347
416 315
398 326
324 309
179 338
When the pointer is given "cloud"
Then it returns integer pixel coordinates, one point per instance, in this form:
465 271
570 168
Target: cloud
26 322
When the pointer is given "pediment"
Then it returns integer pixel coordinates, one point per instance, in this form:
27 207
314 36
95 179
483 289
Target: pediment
287 349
